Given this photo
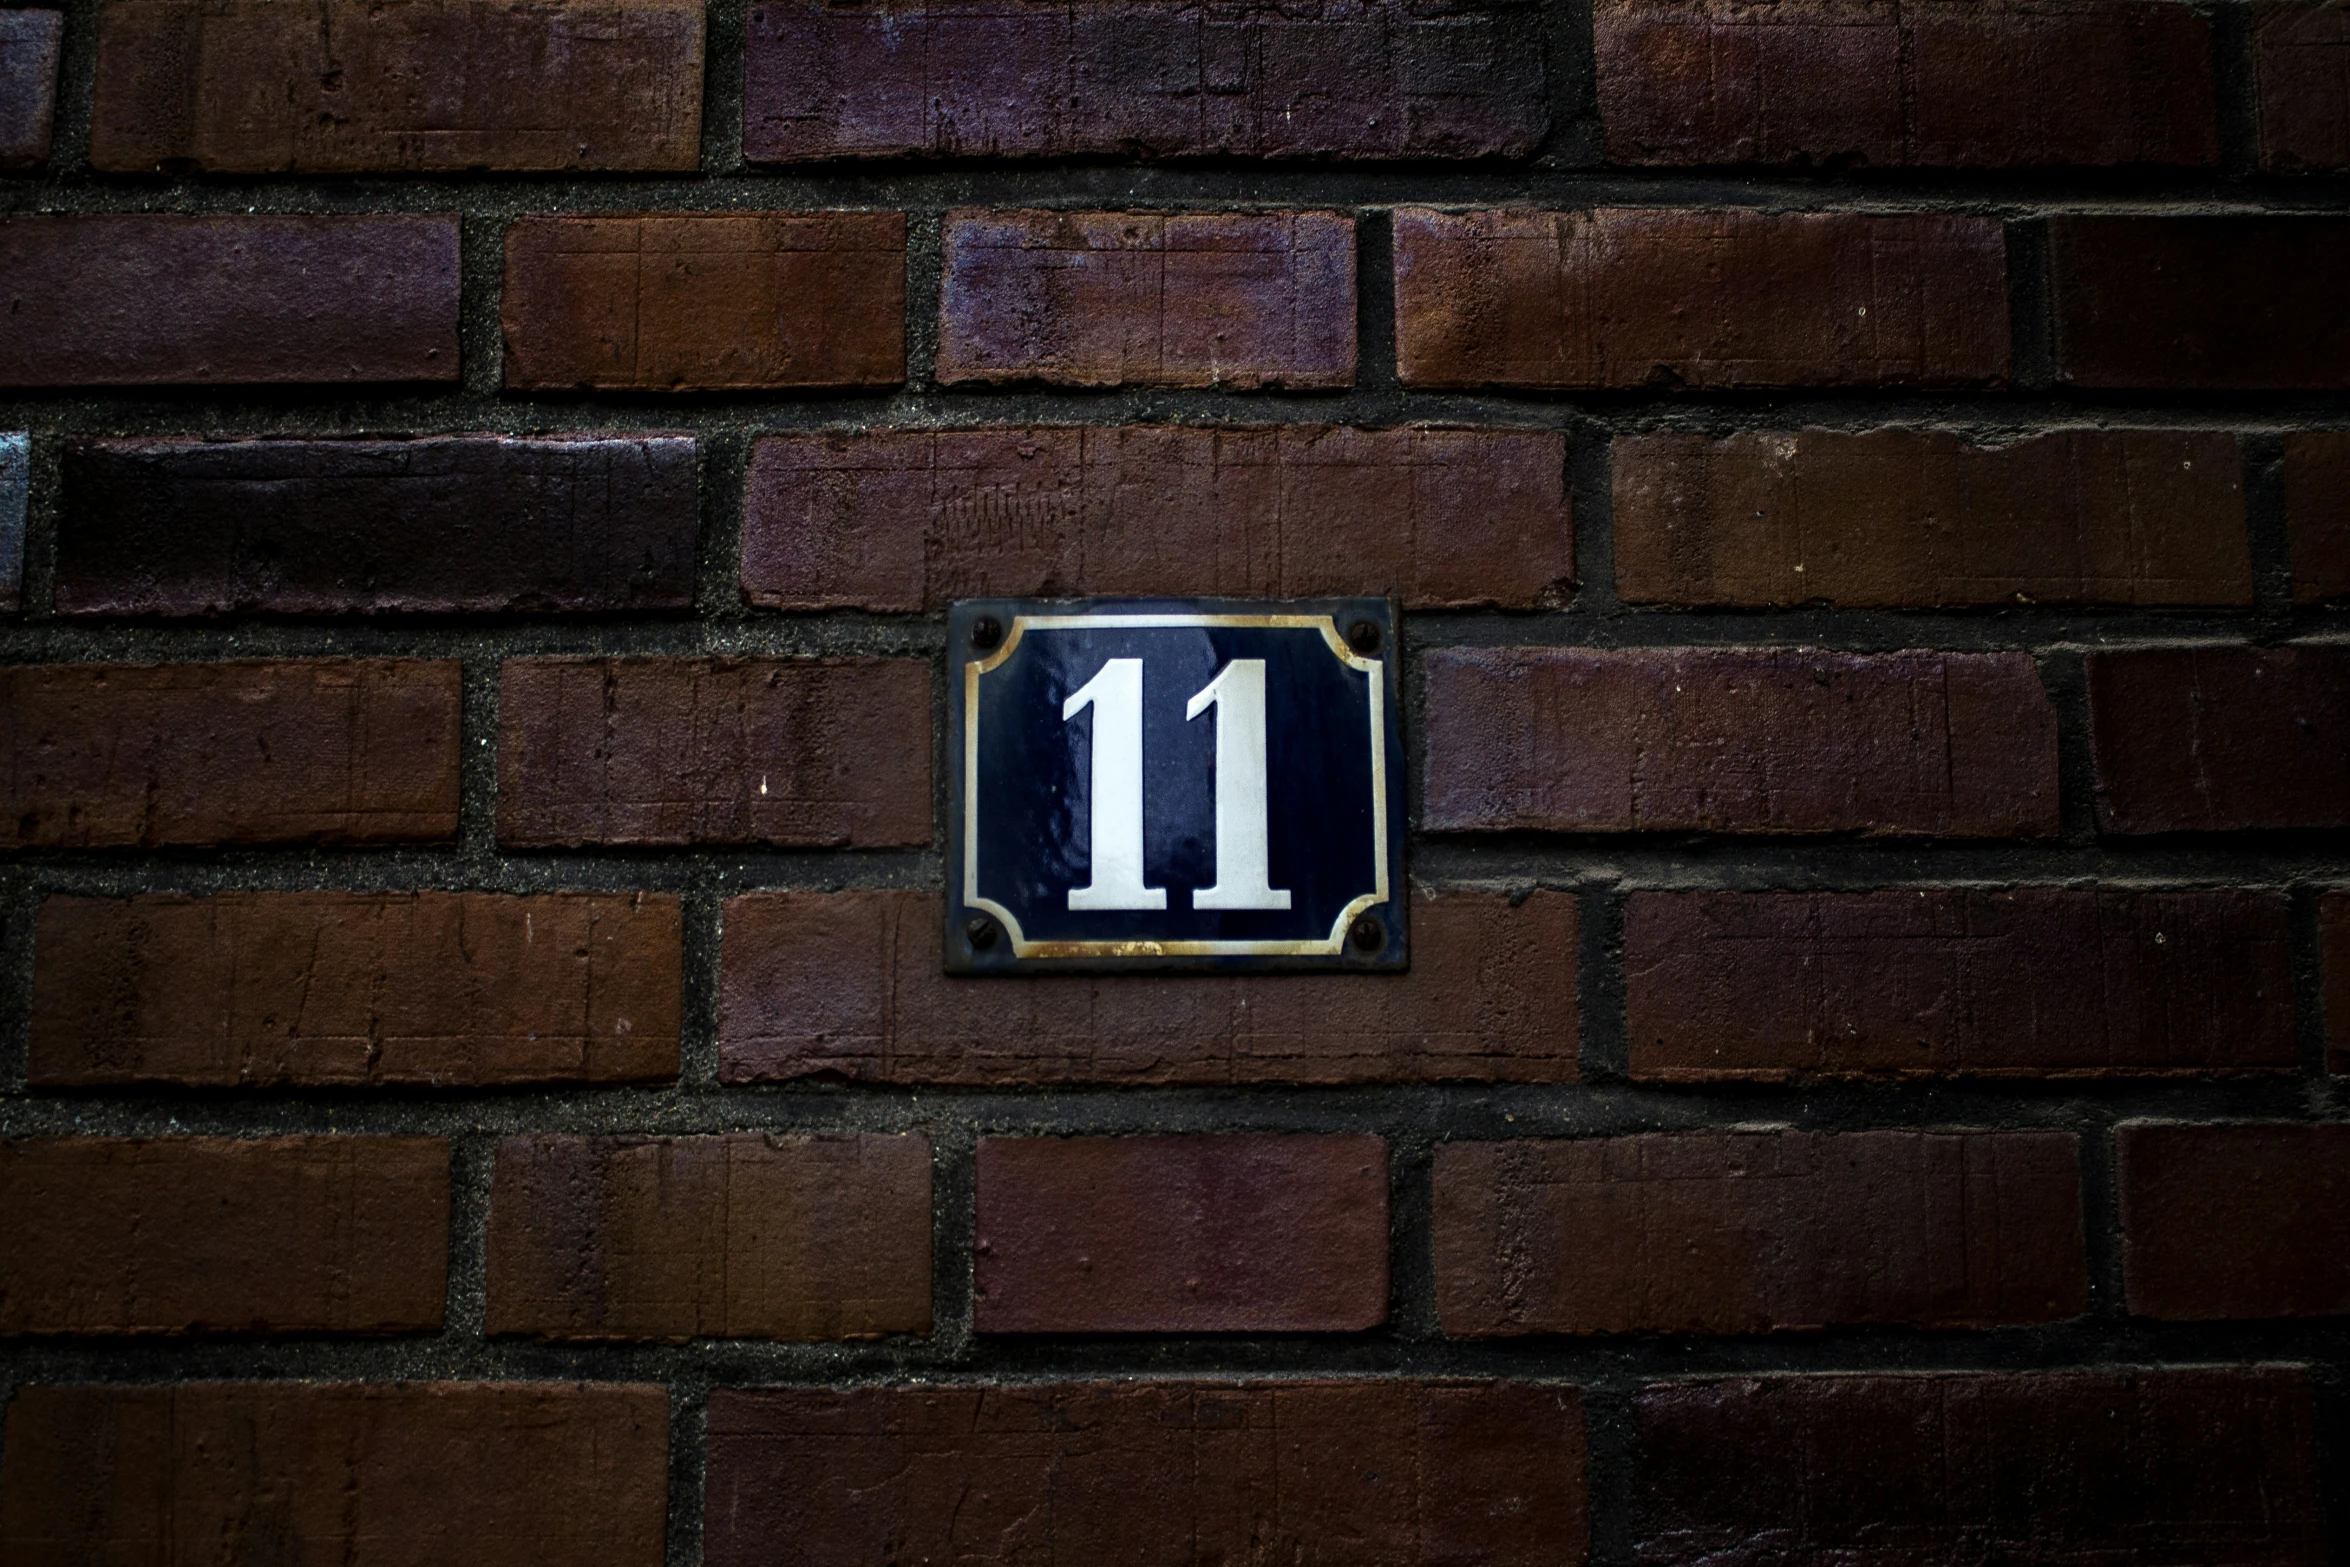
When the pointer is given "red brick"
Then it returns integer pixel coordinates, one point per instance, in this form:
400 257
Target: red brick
1897 519
2302 97
2317 513
1738 740
29 43
2037 982
2219 739
327 751
905 520
1654 297
1757 1232
2234 1221
388 1474
1175 1472
747 1236
410 87
2171 302
805 752
2013 83
2333 934
1245 1233
848 985
706 301
2122 1467
1228 299
1142 78
223 1235
156 299
346 988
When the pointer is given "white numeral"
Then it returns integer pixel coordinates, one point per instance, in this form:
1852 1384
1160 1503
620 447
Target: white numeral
1243 858
1115 695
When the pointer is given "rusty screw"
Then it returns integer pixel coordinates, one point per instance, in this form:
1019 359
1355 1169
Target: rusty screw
979 930
1366 933
986 632
1363 637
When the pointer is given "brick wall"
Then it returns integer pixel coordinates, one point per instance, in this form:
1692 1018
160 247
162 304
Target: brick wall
479 492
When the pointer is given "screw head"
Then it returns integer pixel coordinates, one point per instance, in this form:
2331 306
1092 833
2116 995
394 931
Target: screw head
1367 934
986 632
1363 637
979 930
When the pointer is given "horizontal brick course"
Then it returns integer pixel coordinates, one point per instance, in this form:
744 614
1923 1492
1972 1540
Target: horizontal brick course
2234 1221
29 45
2218 739
223 1235
2333 935
2299 93
2317 513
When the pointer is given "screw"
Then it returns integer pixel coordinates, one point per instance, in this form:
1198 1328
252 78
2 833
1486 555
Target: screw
979 930
986 632
1366 933
1363 637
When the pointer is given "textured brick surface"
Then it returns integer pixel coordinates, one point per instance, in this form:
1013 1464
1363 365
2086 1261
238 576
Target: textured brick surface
16 469
847 984
2234 302
223 1235
748 1236
2317 513
1737 740
1262 1233
143 300
335 988
1720 1232
1903 518
310 751
408 87
806 752
1075 1474
1666 298
913 519
2333 923
1149 299
2234 1221
2216 739
29 44
2124 1467
445 523
396 1474
706 301
2302 95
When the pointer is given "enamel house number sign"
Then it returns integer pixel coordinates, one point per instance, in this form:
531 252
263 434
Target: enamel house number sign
1188 784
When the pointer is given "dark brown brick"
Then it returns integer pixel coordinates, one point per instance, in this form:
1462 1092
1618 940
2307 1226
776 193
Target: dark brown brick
2234 1221
1156 1473
441 524
1662 298
223 1235
1228 299
2122 1467
156 299
747 1236
906 520
2317 513
2175 302
848 985
1738 740
321 988
310 751
2333 935
1921 518
805 752
387 1474
29 44
1756 1232
2013 83
1250 1233
706 301
2220 739
410 87
2302 96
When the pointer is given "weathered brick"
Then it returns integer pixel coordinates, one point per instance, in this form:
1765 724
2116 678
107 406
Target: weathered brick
706 301
848 985
1143 78
2220 739
332 988
158 299
2013 83
16 491
2333 934
1252 1232
747 1236
1756 1232
406 87
904 520
29 44
1230 299
1738 740
1923 518
1175 1472
2125 1467
1658 297
308 751
2317 513
2189 302
440 524
806 752
2298 86
2234 1221
223 1235
385 1474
